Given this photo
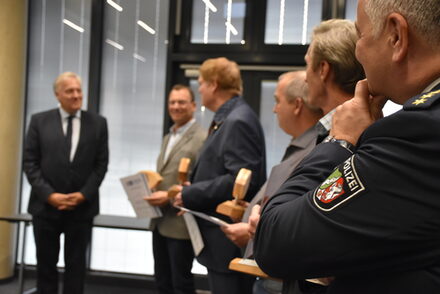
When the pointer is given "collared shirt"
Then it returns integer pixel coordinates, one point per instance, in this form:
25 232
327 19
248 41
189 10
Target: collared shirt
176 135
304 140
324 125
326 121
222 113
432 85
76 128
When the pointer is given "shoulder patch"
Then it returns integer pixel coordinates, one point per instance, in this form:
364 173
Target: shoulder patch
422 101
342 185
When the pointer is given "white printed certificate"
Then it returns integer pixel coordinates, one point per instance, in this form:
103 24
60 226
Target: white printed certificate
136 188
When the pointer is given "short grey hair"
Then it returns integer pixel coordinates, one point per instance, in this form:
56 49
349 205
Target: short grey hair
63 76
422 15
296 87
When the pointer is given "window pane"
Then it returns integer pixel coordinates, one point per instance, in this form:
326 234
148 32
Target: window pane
203 115
59 40
276 139
132 100
218 21
291 22
350 9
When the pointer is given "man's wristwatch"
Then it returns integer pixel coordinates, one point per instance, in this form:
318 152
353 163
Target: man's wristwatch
343 143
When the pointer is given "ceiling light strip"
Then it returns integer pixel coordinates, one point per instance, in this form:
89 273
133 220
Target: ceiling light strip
114 44
146 27
138 57
73 26
206 25
305 20
228 22
281 24
210 5
231 28
114 5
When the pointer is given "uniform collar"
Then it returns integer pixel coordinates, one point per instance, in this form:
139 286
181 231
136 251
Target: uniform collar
432 85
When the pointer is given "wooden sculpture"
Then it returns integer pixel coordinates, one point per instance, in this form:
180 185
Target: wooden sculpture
153 178
182 176
232 208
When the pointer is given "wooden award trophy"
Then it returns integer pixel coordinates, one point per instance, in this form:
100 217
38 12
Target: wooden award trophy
250 267
232 208
181 177
153 178
247 266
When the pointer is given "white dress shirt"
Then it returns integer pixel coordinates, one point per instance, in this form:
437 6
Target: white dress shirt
76 127
175 136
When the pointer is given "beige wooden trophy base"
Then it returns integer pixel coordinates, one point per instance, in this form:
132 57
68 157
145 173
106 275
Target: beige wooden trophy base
232 208
153 178
248 266
173 191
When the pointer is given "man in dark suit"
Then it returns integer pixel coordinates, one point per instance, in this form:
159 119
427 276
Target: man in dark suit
235 141
65 161
172 249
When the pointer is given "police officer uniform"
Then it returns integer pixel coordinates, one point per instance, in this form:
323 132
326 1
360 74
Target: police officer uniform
373 222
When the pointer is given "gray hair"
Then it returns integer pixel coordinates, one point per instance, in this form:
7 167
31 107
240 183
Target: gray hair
296 87
63 76
422 15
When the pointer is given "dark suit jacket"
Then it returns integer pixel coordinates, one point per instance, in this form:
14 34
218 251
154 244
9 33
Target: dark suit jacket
237 143
49 170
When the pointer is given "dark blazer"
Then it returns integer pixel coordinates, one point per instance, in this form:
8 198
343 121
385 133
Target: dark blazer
372 222
237 143
49 170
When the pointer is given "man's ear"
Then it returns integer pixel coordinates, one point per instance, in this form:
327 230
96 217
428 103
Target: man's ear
214 86
396 27
298 104
324 70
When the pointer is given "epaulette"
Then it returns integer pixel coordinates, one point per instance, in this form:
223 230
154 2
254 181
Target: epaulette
422 101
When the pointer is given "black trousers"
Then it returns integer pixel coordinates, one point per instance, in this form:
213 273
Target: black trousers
47 240
230 283
173 259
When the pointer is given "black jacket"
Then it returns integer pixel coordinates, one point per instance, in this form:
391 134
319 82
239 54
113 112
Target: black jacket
48 169
374 223
237 143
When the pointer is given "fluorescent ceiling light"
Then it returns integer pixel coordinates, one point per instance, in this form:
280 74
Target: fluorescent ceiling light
115 5
228 23
73 26
210 5
206 26
281 24
305 19
146 27
138 57
114 44
231 28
